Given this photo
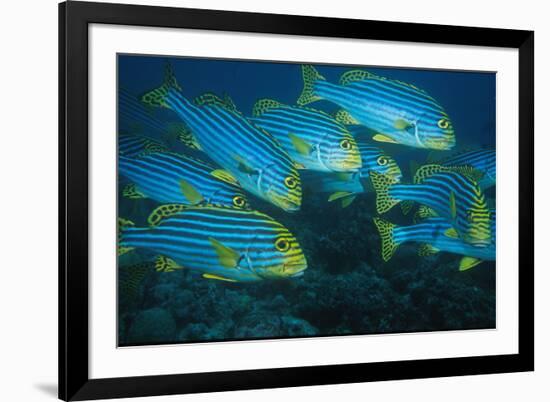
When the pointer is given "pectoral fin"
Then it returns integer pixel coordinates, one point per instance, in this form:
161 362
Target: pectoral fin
165 264
244 166
338 195
228 257
346 202
225 176
384 138
190 193
301 146
452 233
217 277
467 263
427 250
401 124
132 192
452 204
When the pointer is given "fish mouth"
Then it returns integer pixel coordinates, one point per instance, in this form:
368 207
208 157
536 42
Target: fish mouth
296 269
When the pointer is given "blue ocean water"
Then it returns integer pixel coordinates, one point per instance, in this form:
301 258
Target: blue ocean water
347 288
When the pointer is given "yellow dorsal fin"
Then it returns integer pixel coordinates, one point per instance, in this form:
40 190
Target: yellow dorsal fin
452 233
225 176
354 76
157 96
468 171
165 264
300 145
308 95
384 138
217 277
132 192
342 116
263 105
192 195
164 211
227 256
425 171
467 263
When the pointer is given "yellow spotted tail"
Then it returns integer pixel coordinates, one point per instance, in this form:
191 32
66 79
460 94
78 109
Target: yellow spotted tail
382 184
385 229
310 75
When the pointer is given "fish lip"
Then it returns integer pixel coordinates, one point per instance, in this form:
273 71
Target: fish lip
302 266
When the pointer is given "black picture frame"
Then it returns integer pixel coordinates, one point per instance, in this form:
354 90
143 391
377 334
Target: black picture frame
74 19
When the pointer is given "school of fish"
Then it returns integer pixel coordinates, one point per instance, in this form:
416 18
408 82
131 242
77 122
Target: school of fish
205 218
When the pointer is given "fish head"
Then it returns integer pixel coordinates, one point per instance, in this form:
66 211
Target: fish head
279 257
339 153
280 184
377 160
435 132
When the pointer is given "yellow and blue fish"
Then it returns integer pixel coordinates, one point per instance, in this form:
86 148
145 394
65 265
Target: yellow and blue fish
313 138
482 160
452 192
398 112
221 243
431 233
138 145
346 187
250 154
174 178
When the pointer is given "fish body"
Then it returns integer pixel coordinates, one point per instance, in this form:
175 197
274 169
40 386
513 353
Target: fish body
399 112
311 137
223 243
483 160
432 232
252 156
173 178
450 192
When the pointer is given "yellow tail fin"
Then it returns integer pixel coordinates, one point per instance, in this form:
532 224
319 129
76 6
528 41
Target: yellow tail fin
385 229
382 184
122 223
310 75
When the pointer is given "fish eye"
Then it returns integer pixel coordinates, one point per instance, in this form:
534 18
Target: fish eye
291 182
345 144
382 160
239 201
443 123
282 244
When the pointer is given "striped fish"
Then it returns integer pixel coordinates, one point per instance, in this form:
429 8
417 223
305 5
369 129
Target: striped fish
251 155
483 160
311 137
432 234
398 112
173 178
452 193
222 243
136 145
346 188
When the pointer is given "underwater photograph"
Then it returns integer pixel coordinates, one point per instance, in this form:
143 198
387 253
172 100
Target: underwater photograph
268 200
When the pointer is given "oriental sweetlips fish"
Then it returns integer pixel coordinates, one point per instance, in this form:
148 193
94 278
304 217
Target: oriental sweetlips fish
311 137
482 160
221 243
452 192
398 112
346 187
137 145
253 156
174 178
432 234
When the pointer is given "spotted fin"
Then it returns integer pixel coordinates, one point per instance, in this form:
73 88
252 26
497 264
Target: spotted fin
310 75
423 212
467 263
132 192
224 176
382 184
122 223
157 96
425 171
165 264
384 138
342 116
426 250
217 277
385 229
263 105
228 257
211 99
185 135
164 211
354 76
301 146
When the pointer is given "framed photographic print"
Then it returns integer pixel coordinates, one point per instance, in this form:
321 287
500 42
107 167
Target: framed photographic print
255 200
